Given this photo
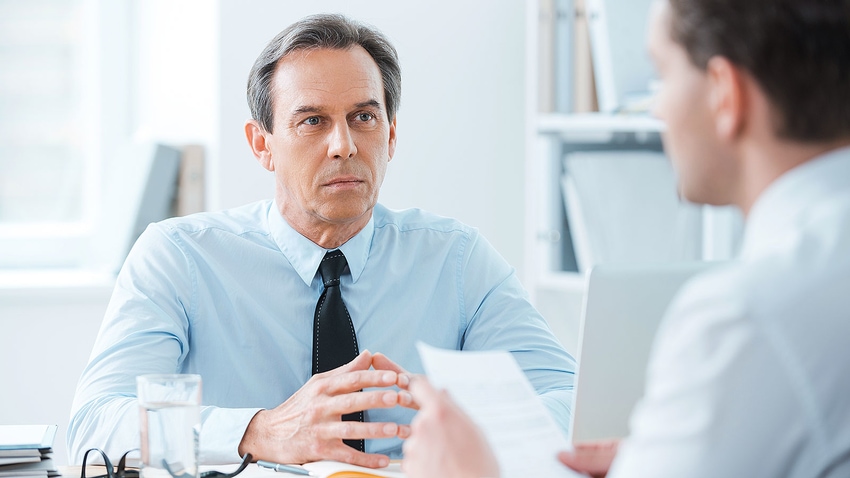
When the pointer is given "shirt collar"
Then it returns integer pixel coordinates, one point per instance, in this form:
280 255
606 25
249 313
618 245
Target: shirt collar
786 204
305 255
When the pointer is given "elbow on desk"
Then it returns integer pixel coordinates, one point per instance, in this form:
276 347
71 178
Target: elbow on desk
109 423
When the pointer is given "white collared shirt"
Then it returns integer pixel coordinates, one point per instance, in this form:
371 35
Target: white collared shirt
750 372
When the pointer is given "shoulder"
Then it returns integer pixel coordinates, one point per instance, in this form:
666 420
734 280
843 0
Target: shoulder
428 235
244 220
214 232
418 220
728 296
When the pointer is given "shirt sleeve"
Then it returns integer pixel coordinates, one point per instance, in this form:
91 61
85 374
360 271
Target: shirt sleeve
500 317
715 390
145 330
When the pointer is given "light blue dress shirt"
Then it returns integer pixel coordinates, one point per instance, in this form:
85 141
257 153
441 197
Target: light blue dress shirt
231 296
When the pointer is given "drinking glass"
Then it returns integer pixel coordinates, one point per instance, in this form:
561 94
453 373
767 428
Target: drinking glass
170 418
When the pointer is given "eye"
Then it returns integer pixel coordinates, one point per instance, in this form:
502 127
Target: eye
312 121
365 117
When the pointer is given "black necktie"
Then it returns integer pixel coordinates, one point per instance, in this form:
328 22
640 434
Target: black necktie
334 341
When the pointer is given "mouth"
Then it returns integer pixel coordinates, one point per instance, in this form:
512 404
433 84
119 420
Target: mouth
344 182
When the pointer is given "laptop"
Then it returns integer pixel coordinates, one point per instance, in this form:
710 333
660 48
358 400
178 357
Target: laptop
623 306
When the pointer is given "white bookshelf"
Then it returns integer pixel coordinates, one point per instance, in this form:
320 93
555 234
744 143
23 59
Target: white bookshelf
555 285
556 290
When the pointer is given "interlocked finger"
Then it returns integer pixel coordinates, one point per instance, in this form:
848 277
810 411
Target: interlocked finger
359 430
357 380
357 401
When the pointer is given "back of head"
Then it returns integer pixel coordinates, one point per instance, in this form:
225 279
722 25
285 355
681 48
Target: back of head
797 50
330 31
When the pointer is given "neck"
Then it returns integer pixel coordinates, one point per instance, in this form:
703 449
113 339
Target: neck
331 236
765 162
324 233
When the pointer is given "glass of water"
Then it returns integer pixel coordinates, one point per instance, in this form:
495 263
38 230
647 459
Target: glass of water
170 418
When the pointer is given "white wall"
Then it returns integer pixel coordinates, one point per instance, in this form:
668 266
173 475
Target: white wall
46 336
460 126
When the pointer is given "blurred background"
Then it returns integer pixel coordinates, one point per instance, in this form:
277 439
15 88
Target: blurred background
526 119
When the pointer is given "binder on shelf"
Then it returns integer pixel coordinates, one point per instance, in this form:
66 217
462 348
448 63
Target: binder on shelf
556 56
546 57
564 58
190 181
144 189
621 66
583 86
623 208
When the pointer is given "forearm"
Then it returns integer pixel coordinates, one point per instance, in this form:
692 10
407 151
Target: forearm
559 404
222 430
112 424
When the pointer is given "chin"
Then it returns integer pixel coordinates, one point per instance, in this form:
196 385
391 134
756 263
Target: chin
704 195
346 212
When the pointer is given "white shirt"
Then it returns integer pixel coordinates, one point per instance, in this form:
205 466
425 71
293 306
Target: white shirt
750 372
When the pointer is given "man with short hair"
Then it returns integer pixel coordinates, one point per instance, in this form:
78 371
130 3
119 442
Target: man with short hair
750 371
242 296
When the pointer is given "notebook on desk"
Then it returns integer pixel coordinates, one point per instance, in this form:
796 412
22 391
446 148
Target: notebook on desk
623 306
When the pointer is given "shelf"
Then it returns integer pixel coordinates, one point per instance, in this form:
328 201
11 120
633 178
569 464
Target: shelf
597 124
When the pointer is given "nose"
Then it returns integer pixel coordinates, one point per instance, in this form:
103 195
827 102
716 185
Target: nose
340 143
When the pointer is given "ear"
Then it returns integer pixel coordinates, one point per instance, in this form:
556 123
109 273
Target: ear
257 141
727 97
391 148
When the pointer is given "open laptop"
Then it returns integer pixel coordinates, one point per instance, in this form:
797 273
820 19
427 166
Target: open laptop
623 306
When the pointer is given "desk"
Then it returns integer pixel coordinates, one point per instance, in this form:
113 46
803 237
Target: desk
253 471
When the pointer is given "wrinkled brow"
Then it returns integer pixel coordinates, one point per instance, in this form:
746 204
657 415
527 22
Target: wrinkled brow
317 109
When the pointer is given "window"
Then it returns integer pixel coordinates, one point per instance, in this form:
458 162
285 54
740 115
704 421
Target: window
52 101
42 156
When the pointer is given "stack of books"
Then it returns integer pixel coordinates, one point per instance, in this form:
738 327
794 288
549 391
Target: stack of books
27 451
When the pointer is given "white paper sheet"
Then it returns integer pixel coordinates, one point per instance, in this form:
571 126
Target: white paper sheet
493 390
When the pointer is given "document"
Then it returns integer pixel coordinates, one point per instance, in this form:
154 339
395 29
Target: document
21 437
492 389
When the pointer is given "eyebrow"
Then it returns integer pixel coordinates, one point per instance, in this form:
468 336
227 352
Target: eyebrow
306 109
316 109
372 103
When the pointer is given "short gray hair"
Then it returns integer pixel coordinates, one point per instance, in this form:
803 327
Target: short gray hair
331 31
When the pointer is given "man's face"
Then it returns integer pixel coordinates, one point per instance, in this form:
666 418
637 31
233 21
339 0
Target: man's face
684 104
332 139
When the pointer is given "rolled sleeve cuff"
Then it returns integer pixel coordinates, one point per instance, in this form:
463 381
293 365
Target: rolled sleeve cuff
222 430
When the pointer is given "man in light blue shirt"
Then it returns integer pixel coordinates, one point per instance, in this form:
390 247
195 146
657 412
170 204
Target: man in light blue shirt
231 295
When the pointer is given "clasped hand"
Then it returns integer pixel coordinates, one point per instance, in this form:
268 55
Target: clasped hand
308 427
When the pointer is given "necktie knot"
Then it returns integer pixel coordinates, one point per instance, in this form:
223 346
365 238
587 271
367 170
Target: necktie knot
332 267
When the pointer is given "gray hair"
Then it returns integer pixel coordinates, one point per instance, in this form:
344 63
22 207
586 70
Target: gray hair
331 31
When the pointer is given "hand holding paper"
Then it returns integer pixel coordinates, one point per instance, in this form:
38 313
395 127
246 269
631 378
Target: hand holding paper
441 429
492 390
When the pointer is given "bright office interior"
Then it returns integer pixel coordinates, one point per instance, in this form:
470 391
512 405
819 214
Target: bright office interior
488 111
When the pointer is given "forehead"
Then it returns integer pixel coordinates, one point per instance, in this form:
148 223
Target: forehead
659 37
327 77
